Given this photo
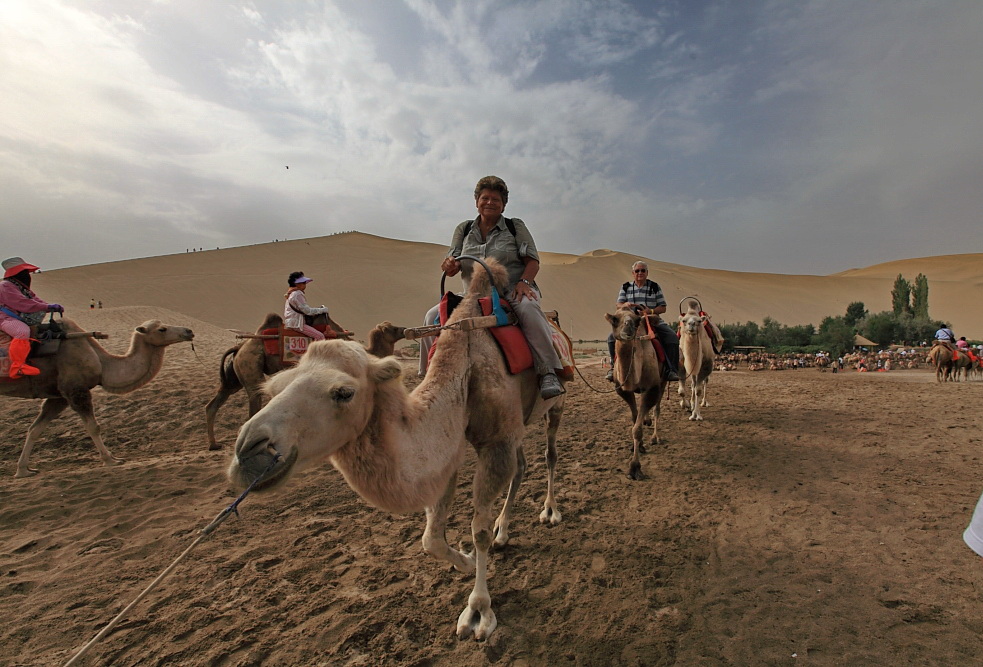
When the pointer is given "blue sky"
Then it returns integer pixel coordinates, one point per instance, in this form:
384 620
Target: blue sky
787 137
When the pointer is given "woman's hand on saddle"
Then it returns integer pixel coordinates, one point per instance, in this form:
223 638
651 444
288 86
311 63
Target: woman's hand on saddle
450 266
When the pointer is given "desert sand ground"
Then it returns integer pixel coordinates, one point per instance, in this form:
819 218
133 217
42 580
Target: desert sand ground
811 519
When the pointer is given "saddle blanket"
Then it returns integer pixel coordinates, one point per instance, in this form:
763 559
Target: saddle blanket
511 341
290 344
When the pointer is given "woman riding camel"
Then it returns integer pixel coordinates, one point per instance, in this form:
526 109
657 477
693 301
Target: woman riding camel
296 307
507 240
19 309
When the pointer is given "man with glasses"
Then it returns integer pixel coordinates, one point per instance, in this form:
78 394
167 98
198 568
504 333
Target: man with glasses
644 294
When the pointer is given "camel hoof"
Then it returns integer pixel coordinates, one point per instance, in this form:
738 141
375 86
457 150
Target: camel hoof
464 565
473 622
26 472
214 447
635 472
551 516
501 537
648 421
114 461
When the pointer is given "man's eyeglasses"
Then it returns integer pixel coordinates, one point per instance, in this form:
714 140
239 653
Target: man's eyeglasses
641 270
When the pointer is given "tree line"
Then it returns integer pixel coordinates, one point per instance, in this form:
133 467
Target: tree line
908 322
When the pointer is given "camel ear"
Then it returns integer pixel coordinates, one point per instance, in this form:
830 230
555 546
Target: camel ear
385 369
610 318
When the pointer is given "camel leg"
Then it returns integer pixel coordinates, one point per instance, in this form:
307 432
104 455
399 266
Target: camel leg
550 514
435 537
211 410
652 400
637 448
502 523
495 468
82 404
629 398
684 392
695 400
51 408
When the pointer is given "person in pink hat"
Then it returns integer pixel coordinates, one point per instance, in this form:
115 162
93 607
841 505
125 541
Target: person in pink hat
19 309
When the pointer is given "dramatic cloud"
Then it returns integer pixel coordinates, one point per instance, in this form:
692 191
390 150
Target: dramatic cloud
784 137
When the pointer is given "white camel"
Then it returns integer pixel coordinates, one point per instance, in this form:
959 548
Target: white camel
696 359
401 451
68 376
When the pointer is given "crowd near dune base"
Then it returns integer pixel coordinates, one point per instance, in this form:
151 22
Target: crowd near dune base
809 519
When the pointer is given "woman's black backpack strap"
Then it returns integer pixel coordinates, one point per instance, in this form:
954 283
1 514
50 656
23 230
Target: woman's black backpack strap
508 223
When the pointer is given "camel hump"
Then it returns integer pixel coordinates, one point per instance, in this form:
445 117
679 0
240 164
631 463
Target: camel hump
272 321
480 279
692 305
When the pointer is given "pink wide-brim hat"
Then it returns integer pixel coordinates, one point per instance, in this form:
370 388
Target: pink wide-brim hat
14 265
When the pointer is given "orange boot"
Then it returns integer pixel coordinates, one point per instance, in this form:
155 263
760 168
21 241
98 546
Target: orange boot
19 349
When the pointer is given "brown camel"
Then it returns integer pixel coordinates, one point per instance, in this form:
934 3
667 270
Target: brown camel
80 364
247 365
961 363
696 358
637 370
941 357
401 451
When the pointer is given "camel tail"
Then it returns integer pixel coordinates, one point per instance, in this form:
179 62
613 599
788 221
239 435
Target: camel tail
225 365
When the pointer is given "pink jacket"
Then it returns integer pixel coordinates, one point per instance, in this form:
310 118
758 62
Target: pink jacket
11 297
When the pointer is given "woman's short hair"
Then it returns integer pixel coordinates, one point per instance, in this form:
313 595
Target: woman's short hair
492 183
292 278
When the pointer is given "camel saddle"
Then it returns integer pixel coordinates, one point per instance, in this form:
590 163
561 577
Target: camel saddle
290 344
45 341
510 339
660 351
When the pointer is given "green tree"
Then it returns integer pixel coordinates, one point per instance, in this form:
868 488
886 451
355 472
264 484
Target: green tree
771 332
901 296
882 328
854 313
834 335
919 297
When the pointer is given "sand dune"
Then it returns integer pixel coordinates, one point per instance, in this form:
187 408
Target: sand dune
365 279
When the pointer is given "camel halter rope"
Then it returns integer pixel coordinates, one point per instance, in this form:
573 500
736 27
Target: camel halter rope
204 533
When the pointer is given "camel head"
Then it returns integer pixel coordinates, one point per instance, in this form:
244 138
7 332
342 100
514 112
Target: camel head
159 335
624 324
691 323
317 407
389 332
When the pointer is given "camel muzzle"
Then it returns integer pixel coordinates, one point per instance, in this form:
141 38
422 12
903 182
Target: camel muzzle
254 462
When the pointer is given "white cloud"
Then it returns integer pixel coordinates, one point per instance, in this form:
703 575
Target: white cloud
761 127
